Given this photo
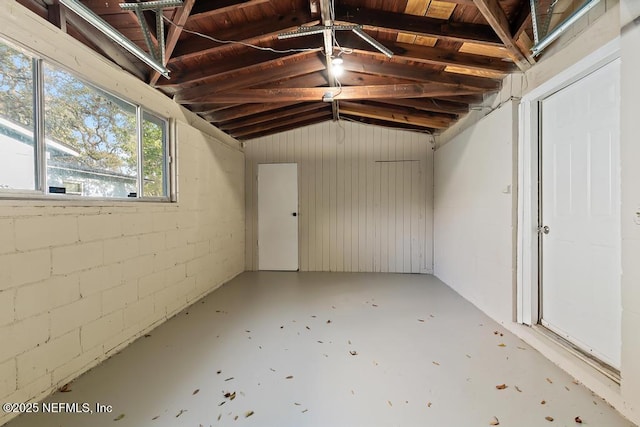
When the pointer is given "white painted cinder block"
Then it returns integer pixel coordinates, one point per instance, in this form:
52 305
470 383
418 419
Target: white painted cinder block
120 249
8 377
74 315
41 360
100 279
139 311
43 296
29 267
19 337
95 333
7 312
7 236
45 231
67 259
151 243
118 298
98 227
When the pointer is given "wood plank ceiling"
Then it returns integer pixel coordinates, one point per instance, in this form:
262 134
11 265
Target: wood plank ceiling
228 65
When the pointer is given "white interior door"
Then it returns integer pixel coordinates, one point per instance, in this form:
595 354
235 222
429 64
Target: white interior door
580 197
278 216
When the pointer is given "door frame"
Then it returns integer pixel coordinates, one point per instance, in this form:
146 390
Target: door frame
528 248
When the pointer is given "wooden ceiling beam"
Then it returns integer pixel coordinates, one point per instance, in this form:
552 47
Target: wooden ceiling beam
277 115
271 131
209 92
180 18
383 67
384 123
431 105
244 110
396 114
418 25
412 90
207 9
429 55
251 32
261 127
497 19
248 59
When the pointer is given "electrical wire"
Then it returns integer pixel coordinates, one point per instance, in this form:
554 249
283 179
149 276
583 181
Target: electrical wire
253 46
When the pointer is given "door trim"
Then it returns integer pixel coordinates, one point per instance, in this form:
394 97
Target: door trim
527 280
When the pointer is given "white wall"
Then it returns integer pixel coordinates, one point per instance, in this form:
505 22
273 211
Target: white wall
359 209
473 224
630 166
79 280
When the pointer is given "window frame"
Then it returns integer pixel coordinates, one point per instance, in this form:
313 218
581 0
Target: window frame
41 191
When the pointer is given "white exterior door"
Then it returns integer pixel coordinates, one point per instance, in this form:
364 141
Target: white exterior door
580 198
278 216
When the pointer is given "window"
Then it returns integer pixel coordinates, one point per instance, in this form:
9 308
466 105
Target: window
61 135
17 145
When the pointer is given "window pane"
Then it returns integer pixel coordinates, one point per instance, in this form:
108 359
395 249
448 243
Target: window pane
154 149
90 137
17 162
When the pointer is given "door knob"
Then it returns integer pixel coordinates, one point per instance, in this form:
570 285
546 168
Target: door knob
544 229
295 214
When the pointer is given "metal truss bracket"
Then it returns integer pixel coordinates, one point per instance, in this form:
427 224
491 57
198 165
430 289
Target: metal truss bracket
156 51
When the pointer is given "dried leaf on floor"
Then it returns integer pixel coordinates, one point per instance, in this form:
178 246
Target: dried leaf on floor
436 363
468 356
567 388
349 342
502 344
389 402
196 391
182 411
521 348
353 353
308 327
353 392
328 321
248 414
289 377
374 305
229 379
297 404
550 419
578 420
420 320
304 410
321 342
147 335
576 382
219 416
119 417
431 315
542 402
429 404
247 331
494 421
235 418
222 403
518 389
219 372
272 370
65 388
155 418
501 386
549 381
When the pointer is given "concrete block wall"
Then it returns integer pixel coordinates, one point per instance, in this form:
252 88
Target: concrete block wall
79 280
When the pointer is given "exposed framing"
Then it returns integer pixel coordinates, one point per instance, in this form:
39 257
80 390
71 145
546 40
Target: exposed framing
527 299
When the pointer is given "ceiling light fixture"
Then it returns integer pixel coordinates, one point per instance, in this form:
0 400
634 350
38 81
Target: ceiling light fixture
336 67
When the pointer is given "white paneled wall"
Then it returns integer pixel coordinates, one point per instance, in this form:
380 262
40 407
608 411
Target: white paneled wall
365 196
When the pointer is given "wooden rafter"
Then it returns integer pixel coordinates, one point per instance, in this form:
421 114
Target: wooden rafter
396 114
261 127
497 19
414 90
180 18
254 33
419 25
208 93
277 115
207 9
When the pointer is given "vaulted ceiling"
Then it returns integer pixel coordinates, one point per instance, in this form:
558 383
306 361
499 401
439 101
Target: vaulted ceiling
228 65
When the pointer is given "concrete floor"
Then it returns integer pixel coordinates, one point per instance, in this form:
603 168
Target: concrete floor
330 349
